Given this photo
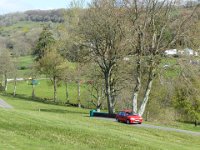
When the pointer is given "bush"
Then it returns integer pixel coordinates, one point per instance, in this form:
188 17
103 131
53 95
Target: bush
22 68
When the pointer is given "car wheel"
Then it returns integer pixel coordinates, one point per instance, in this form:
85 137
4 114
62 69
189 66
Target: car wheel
139 122
117 120
127 121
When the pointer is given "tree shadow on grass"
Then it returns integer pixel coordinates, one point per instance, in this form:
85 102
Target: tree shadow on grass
45 101
190 122
28 98
35 99
64 111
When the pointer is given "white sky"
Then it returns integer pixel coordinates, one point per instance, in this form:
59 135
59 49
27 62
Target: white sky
8 6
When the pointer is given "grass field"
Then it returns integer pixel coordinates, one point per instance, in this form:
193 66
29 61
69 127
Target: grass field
44 90
23 26
25 61
24 64
33 125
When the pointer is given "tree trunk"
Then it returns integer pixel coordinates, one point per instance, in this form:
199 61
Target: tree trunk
66 92
108 95
15 86
55 89
148 90
6 82
79 93
137 86
196 123
33 91
98 104
147 116
146 98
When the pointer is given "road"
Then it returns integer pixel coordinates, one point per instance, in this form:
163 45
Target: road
3 104
143 125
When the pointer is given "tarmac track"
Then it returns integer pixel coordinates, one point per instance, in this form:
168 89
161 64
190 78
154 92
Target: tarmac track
5 105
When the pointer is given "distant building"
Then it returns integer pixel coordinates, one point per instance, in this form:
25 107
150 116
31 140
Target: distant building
184 52
188 51
171 52
126 59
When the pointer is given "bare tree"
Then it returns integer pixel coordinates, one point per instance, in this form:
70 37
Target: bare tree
154 28
102 28
96 86
15 62
69 76
6 66
74 52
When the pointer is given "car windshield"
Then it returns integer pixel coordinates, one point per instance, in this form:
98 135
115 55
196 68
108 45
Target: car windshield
131 113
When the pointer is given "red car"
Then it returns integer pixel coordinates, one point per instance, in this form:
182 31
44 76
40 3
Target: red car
128 117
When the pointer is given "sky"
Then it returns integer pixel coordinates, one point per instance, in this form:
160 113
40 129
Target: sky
9 6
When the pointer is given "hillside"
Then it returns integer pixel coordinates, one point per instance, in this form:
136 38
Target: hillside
56 15
32 125
99 58
20 31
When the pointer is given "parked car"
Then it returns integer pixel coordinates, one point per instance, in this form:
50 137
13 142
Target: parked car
128 117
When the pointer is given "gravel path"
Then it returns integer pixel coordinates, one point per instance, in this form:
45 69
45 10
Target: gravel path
143 125
168 129
3 104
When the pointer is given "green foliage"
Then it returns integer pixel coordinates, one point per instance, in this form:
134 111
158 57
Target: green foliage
52 64
187 102
186 98
45 41
26 61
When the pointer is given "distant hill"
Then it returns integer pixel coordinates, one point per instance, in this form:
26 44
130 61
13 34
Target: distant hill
56 15
19 31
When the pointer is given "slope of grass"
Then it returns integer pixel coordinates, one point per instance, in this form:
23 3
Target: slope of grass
44 90
23 26
33 125
25 61
169 67
24 64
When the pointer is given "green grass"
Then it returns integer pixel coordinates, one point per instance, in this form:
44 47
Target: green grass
24 64
23 26
59 127
44 90
172 70
25 61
